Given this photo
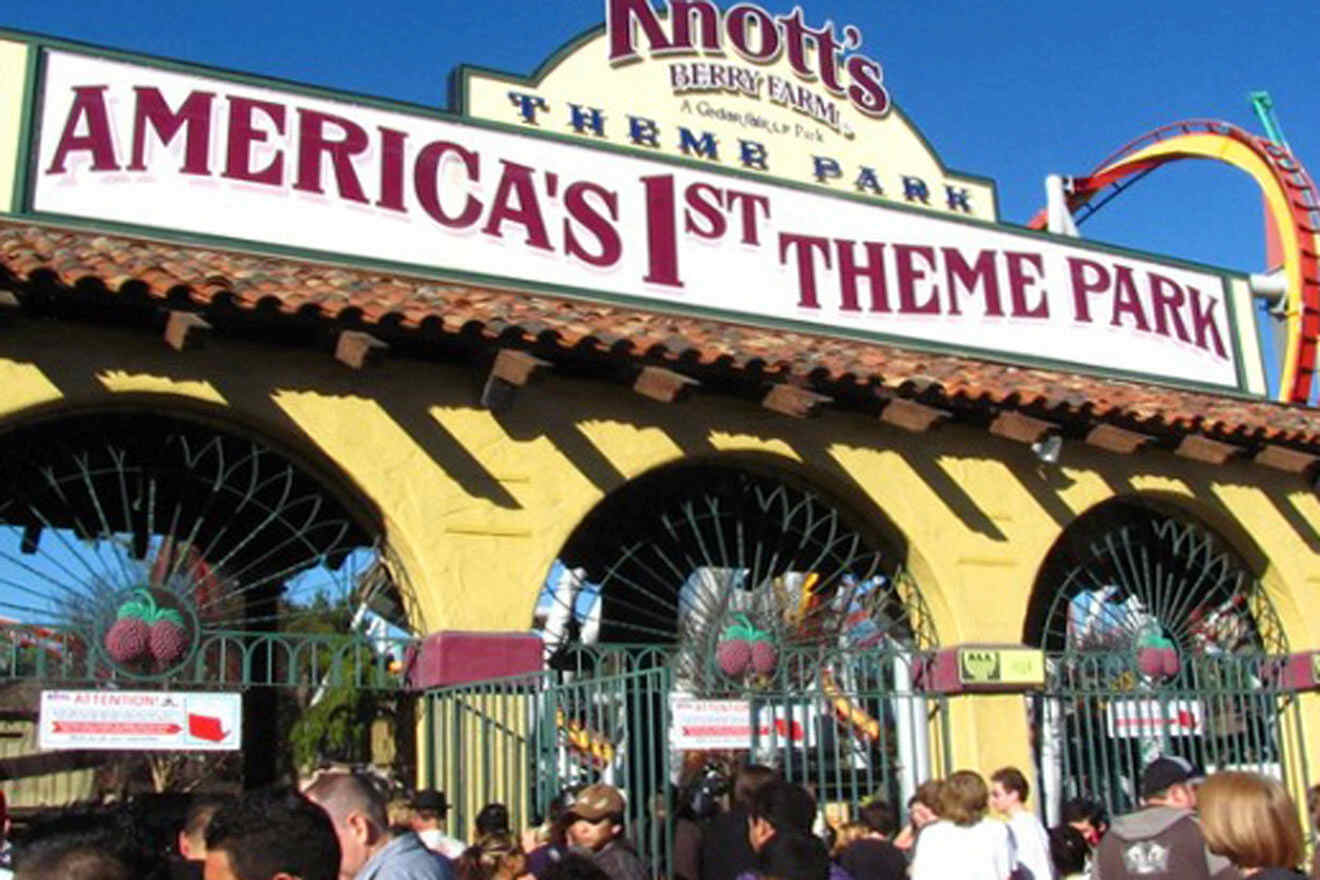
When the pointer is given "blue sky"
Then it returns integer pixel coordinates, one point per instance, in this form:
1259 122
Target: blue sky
1009 91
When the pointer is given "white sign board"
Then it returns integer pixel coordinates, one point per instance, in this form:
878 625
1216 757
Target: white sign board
159 148
141 720
1142 718
727 724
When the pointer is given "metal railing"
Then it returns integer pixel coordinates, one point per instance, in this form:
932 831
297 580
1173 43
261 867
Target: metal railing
1101 717
221 659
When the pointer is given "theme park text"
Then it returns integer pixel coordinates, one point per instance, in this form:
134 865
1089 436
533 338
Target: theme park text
169 150
694 26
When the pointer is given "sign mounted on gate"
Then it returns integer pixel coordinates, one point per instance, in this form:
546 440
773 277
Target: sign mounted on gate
981 669
698 724
141 720
1133 718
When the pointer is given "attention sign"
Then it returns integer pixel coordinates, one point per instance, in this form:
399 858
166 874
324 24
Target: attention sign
140 720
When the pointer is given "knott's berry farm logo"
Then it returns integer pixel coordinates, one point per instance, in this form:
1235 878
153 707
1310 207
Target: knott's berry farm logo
816 55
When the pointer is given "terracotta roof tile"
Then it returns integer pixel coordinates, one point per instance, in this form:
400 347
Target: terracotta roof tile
207 276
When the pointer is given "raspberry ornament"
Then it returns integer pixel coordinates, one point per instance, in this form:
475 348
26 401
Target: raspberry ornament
742 647
733 656
169 639
127 639
764 657
143 630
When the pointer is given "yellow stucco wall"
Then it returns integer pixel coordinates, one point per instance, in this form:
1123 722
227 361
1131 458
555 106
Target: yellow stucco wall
477 505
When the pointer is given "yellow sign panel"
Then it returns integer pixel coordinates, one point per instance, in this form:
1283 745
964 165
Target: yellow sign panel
1001 666
13 85
740 89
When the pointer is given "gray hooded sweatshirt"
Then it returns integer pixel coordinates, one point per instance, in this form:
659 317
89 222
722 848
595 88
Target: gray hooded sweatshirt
1158 843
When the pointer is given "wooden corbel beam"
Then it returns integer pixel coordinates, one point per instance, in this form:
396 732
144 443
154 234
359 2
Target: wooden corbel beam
184 330
794 401
1013 425
912 416
1115 439
512 370
663 385
357 349
1284 459
1200 448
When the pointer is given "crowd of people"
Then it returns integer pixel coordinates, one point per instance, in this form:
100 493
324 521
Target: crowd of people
345 825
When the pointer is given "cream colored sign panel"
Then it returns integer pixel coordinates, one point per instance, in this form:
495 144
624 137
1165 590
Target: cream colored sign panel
721 107
13 85
132 144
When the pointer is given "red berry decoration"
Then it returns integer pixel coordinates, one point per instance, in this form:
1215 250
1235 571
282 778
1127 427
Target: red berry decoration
1169 663
733 656
743 646
168 637
144 630
127 639
1150 661
764 657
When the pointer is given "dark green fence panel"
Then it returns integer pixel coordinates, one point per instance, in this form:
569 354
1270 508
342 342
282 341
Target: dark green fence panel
1102 717
522 740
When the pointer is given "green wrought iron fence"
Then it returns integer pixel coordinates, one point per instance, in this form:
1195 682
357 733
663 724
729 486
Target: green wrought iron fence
1102 716
848 725
221 659
520 741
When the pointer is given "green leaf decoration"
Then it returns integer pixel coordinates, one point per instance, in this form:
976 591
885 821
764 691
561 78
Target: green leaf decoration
742 628
143 608
169 614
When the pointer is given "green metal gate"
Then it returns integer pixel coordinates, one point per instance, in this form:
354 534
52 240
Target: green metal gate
848 725
853 728
1101 718
1159 639
520 741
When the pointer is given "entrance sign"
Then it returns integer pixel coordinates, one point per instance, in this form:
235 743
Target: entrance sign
144 146
141 720
699 724
1143 718
774 95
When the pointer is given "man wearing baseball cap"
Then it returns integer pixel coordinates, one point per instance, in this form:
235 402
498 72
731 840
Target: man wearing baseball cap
1162 840
430 809
593 826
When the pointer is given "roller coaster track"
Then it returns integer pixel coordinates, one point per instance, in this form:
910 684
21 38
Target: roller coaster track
1290 197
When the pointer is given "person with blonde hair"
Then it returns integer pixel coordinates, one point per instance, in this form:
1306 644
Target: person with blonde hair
1252 821
963 843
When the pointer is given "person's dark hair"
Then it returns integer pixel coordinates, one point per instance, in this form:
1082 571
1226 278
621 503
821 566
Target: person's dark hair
1068 850
793 856
89 845
880 816
85 845
1084 809
199 814
748 781
574 866
1011 779
785 805
272 830
492 819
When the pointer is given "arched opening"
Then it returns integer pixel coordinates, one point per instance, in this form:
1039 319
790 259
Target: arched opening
1158 638
759 595
147 549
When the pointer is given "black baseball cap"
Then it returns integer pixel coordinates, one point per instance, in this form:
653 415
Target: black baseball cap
430 800
1167 771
